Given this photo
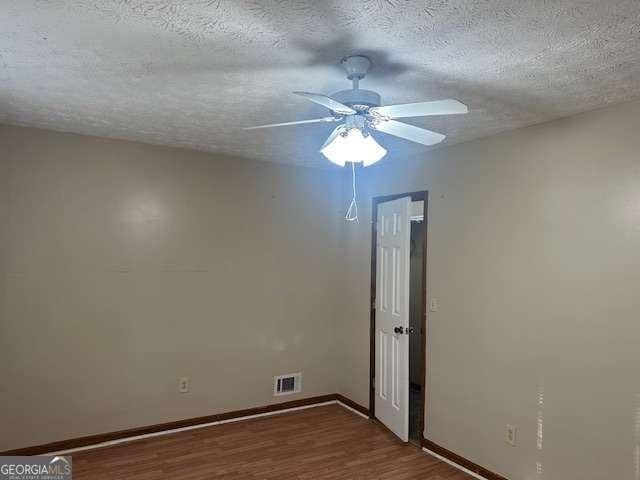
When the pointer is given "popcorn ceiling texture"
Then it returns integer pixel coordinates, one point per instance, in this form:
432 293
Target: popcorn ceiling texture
191 73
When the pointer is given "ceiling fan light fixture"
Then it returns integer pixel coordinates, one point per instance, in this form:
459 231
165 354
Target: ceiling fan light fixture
353 146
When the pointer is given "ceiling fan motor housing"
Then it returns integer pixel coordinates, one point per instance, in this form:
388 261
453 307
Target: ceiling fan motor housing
358 99
355 121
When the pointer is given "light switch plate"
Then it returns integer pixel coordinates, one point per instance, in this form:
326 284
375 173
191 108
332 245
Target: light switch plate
434 304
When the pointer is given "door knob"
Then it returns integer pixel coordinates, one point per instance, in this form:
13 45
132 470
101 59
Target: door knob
401 330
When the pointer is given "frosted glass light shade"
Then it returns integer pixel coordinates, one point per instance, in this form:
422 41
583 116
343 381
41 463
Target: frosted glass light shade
353 147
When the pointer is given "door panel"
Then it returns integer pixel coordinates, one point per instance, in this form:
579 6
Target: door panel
384 340
392 311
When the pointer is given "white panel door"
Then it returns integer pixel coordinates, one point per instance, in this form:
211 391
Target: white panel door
393 232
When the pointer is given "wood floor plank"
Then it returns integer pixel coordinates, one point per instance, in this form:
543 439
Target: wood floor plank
322 443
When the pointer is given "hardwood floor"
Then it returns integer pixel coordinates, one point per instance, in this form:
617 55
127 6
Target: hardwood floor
327 442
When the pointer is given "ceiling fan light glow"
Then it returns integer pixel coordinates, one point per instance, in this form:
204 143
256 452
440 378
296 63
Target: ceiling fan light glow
353 147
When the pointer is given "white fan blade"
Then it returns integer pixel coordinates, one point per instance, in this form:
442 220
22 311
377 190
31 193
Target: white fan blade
421 109
409 132
337 131
315 120
328 102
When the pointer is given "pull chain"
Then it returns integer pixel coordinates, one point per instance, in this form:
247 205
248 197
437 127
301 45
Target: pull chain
352 212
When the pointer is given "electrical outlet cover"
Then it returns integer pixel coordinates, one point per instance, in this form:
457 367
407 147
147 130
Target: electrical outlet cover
184 385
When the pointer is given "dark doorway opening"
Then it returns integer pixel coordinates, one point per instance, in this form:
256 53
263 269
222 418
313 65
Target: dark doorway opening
416 381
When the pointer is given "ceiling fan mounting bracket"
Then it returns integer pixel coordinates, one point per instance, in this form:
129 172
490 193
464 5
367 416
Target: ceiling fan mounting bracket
356 66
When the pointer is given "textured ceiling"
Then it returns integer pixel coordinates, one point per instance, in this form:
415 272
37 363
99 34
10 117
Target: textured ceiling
191 73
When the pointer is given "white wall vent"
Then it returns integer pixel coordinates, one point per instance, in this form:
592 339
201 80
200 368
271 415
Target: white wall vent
286 384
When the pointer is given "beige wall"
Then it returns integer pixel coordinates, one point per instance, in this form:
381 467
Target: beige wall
534 253
125 266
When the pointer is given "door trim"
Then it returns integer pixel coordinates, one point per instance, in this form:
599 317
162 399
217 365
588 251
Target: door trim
415 197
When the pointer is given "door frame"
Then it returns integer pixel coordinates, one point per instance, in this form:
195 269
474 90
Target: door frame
415 197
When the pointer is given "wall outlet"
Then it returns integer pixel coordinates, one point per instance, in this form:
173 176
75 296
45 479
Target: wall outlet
184 385
510 435
434 304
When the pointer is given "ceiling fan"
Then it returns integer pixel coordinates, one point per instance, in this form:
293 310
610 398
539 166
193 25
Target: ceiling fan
359 113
